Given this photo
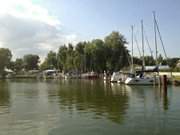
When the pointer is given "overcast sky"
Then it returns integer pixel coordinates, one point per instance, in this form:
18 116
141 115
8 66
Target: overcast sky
37 26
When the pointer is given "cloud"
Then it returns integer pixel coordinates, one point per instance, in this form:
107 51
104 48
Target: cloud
26 9
28 28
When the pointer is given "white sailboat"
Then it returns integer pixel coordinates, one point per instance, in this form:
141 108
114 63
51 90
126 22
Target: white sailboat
118 77
139 79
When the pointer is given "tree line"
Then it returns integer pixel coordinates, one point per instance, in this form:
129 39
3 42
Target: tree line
97 55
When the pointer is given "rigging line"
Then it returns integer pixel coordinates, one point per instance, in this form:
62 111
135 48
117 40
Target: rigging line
155 37
132 28
135 38
142 31
147 41
161 38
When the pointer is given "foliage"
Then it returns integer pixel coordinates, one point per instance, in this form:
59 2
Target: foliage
5 58
31 61
50 61
172 62
117 54
149 60
61 57
18 65
97 55
160 59
137 61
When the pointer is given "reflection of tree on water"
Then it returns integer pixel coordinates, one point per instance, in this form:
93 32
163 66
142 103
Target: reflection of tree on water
4 93
87 97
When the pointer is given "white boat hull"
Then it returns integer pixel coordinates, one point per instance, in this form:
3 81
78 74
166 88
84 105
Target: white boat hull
140 81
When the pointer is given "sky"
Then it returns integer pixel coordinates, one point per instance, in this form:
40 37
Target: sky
38 26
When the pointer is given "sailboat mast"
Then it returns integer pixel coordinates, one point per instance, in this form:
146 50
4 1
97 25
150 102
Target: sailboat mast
142 30
132 62
155 37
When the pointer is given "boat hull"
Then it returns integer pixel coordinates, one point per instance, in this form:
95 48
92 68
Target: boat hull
140 81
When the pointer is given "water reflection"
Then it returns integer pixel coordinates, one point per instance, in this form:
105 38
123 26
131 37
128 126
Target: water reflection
103 100
4 93
145 95
86 107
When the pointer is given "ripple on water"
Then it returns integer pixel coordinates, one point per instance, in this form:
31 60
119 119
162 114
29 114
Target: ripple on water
84 107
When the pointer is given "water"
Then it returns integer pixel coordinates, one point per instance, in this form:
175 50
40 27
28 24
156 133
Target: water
83 107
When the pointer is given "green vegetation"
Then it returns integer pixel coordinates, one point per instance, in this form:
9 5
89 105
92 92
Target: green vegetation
5 58
97 55
31 61
50 62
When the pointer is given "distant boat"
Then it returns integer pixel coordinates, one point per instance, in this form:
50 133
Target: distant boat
118 77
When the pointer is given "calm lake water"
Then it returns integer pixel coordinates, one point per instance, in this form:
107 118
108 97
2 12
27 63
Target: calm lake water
84 107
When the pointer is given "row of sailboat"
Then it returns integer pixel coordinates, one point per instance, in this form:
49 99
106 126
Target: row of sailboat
140 77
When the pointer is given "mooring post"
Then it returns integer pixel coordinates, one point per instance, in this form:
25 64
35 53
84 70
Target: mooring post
165 93
165 84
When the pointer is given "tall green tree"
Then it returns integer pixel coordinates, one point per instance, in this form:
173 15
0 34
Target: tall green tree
149 60
117 53
5 59
44 65
172 62
51 60
160 59
70 58
62 57
99 55
88 50
31 61
18 64
137 61
79 58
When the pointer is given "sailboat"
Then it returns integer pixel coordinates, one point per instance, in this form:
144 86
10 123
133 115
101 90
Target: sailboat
140 78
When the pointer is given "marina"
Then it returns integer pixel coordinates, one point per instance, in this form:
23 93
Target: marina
92 67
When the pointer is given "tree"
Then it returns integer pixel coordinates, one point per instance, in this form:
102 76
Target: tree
149 60
44 65
117 53
5 58
11 65
137 61
99 55
88 56
18 64
51 60
79 58
172 62
160 59
70 58
31 61
62 57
